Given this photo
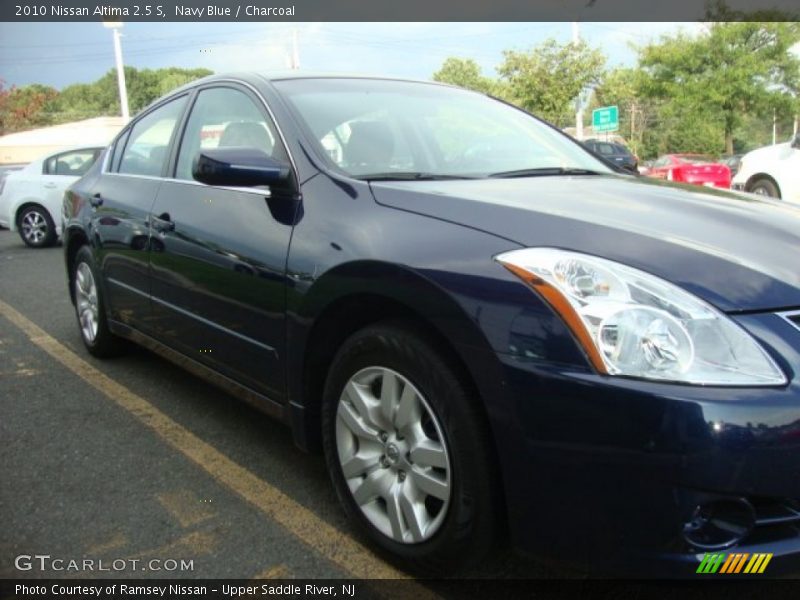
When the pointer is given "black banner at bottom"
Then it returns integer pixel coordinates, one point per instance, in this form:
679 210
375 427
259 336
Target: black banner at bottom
347 589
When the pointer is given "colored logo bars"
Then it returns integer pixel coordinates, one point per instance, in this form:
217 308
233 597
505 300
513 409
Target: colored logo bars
734 563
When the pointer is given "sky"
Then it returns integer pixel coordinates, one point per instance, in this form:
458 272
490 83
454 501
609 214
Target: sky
59 54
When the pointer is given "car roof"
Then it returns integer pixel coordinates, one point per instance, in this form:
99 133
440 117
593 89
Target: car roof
296 74
255 77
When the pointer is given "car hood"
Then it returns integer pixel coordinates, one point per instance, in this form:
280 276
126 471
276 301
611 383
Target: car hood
736 251
768 152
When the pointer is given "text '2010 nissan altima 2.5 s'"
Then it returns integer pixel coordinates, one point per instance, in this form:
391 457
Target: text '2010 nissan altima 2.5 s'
489 332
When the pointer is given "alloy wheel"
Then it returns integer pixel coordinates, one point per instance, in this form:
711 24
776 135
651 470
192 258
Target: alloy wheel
34 227
393 455
86 301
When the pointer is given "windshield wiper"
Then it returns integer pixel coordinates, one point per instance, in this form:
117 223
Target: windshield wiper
543 172
409 176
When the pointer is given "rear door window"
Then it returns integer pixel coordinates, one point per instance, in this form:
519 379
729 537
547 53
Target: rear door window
73 164
148 145
606 149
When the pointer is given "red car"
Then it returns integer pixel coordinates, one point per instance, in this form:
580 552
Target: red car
691 168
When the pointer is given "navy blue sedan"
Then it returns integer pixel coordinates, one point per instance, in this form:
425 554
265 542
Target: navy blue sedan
489 332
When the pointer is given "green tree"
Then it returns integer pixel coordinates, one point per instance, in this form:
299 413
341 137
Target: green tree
730 71
548 79
718 10
5 93
36 105
465 73
621 87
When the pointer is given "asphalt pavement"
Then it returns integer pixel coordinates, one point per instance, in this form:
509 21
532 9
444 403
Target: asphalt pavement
147 471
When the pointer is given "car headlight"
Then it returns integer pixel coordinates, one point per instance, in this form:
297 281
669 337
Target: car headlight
633 324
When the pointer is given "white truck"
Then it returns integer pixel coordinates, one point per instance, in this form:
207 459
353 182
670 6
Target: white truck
772 171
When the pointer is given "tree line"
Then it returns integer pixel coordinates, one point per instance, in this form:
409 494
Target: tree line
37 105
715 92
719 91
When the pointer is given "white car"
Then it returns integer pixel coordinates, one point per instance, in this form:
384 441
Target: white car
30 198
771 171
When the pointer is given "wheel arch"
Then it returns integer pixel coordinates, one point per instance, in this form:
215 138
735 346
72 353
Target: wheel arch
74 239
353 296
758 176
26 203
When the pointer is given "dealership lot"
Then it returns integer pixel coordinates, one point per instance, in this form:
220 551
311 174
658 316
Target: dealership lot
133 460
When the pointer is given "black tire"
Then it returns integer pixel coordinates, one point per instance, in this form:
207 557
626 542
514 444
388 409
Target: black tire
104 344
468 529
765 187
36 227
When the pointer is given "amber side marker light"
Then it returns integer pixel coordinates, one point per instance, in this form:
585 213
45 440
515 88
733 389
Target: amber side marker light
567 312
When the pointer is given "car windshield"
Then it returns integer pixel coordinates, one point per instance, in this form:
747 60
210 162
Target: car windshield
382 129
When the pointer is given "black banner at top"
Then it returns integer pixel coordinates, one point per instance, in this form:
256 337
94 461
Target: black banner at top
395 10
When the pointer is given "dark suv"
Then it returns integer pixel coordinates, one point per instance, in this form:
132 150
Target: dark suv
484 327
614 153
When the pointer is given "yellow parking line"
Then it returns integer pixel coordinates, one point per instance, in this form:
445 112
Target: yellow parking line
355 559
275 572
118 540
187 546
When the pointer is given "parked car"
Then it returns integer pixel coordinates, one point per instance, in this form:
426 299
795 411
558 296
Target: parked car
5 169
614 153
691 168
30 197
772 171
483 327
733 161
645 166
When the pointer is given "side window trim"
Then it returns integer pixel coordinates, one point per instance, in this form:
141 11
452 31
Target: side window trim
112 166
46 164
177 135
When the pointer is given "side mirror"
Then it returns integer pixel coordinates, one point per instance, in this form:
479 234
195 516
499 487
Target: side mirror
241 167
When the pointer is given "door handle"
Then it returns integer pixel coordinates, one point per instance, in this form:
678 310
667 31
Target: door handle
162 223
96 200
50 185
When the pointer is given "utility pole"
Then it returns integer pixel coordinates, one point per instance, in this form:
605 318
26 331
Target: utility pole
774 126
576 39
115 26
295 51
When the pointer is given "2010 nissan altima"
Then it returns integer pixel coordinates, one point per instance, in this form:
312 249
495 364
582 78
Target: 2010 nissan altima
489 332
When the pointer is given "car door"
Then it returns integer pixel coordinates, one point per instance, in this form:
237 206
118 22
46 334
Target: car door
61 171
787 167
122 197
218 255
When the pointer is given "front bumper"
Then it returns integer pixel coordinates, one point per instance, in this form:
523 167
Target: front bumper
608 472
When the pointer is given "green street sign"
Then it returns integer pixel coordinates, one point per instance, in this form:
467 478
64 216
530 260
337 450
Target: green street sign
605 119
